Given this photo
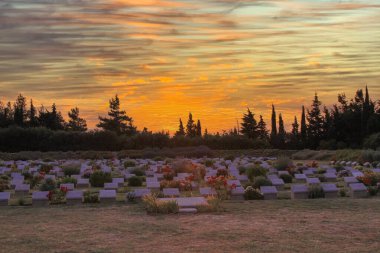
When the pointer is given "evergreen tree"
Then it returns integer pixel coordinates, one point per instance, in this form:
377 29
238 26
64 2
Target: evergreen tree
315 121
199 129
118 121
32 115
281 132
206 133
273 133
249 125
295 135
303 128
19 111
76 123
366 113
262 129
181 129
191 127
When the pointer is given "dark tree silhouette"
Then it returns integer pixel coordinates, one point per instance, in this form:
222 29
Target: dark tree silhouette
76 123
181 129
199 129
191 127
281 132
262 129
249 125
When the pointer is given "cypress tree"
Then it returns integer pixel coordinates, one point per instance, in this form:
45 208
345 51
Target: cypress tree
32 115
303 128
315 121
273 134
199 129
190 127
281 132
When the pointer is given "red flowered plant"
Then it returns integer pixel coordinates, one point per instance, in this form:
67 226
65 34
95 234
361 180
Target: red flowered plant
57 196
369 179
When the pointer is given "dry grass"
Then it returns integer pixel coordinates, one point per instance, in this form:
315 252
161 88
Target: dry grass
343 225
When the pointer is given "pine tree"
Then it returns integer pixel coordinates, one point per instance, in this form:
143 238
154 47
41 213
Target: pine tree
303 128
199 129
295 136
190 127
206 133
76 123
32 115
315 121
262 129
19 111
281 132
249 125
118 121
365 113
181 129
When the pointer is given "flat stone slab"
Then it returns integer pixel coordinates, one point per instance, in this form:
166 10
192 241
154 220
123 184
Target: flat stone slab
4 198
268 189
111 186
350 180
40 195
299 188
74 195
300 177
187 210
190 202
107 194
358 190
329 187
358 187
277 181
153 185
234 181
207 191
312 181
69 186
139 193
168 192
83 183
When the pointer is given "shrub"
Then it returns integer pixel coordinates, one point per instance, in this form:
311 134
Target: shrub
321 171
135 181
342 192
252 194
90 197
283 162
3 185
183 166
316 192
169 184
68 180
131 197
98 178
261 181
373 190
288 179
255 171
213 205
71 170
209 163
168 175
242 170
154 206
138 172
222 172
369 179
48 185
46 168
129 163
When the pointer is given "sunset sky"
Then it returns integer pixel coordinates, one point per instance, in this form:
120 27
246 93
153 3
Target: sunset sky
166 58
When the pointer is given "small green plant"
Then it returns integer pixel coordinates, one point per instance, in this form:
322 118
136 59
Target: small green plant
90 197
283 163
98 178
154 206
46 168
135 181
68 180
21 202
138 172
129 163
261 181
48 185
255 171
242 170
71 170
321 171
251 193
342 192
315 192
288 179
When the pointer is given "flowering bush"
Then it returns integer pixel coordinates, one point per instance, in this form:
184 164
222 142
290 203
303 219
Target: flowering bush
48 185
90 197
169 184
369 179
221 186
46 168
57 196
154 206
185 185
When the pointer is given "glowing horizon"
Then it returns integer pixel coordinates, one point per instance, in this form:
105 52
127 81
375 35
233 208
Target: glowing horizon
166 58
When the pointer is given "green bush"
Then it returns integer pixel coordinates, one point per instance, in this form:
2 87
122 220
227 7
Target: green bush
48 185
288 179
135 181
138 172
68 180
90 197
129 163
255 171
242 169
71 170
252 194
283 163
315 192
261 181
98 178
46 168
209 163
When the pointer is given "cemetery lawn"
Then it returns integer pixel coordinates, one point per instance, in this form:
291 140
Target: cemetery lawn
338 225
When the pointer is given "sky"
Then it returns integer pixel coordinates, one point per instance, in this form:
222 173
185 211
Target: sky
166 58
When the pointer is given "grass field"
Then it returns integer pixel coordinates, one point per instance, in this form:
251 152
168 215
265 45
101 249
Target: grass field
342 225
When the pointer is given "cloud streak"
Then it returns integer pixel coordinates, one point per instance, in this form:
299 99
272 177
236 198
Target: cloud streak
168 57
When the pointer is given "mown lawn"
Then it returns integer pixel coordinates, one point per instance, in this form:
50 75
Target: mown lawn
342 225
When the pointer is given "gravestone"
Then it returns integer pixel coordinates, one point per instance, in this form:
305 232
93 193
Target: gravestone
207 191
111 186
40 198
278 183
330 190
107 196
68 186
141 192
83 183
74 197
190 202
300 178
237 193
22 190
350 180
171 192
119 181
330 177
4 198
269 192
153 185
358 190
313 181
299 191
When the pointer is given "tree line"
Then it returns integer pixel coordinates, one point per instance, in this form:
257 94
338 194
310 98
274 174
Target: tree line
348 124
